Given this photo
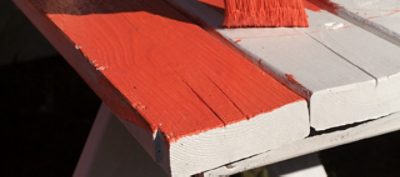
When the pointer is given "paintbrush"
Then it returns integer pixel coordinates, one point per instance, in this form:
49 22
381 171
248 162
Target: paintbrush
265 13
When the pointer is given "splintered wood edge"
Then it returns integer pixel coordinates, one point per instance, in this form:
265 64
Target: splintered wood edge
210 149
312 144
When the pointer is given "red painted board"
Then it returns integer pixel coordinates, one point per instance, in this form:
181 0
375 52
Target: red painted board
178 77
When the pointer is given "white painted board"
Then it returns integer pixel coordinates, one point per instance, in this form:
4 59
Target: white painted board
205 150
347 73
211 149
378 16
312 144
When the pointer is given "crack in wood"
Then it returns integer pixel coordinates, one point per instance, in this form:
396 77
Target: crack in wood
233 103
344 58
204 102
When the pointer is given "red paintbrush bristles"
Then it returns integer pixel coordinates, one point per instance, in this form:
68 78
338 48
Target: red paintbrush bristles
265 13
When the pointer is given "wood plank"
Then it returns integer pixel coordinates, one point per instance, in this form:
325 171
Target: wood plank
329 63
193 102
380 16
312 144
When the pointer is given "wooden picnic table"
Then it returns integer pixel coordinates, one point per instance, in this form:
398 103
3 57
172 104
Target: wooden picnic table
200 99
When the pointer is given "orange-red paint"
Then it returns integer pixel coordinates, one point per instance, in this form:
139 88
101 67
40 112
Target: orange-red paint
318 5
265 13
237 41
177 76
311 6
291 79
218 3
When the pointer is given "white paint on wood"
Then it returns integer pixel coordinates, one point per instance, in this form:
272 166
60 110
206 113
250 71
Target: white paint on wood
371 54
111 151
347 73
304 166
312 144
378 16
207 150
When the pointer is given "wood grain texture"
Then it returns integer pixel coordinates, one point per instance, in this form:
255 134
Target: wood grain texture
211 149
165 66
347 73
193 102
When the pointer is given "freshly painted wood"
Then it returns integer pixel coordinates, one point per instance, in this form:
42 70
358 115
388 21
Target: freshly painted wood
378 16
312 144
193 102
347 73
152 51
304 166
111 151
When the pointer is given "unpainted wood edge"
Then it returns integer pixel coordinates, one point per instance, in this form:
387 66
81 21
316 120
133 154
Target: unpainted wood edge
312 144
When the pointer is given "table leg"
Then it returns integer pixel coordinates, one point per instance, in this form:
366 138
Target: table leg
110 151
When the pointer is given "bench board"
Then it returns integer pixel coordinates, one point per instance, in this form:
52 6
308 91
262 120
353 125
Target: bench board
312 144
347 73
380 17
193 102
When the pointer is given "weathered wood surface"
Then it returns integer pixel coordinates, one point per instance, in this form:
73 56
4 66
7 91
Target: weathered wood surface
312 144
347 73
19 40
193 102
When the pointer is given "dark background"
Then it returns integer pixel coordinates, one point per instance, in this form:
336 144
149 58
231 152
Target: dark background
47 111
